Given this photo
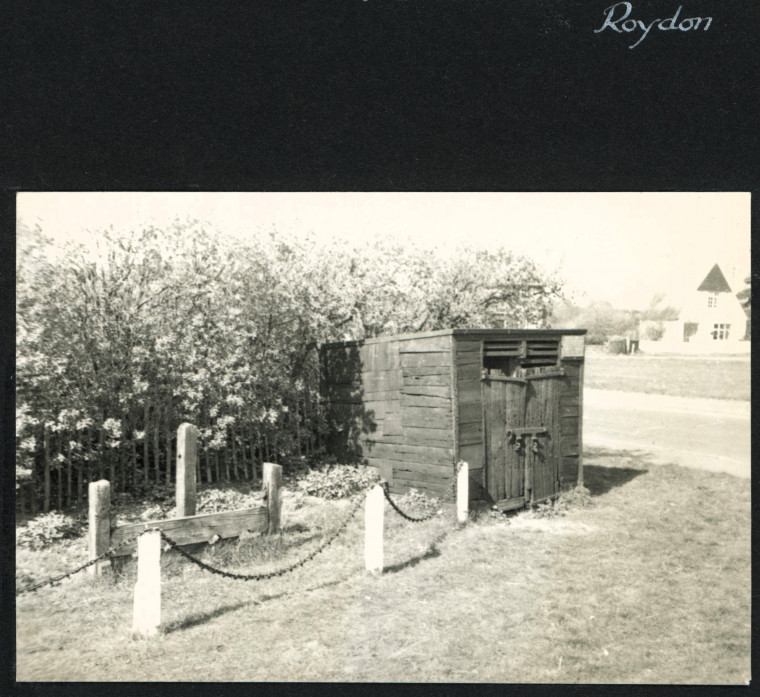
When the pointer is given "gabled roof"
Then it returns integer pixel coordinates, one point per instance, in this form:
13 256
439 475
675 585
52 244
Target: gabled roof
715 282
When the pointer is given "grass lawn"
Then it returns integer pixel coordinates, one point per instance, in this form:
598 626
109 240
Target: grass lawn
650 584
717 378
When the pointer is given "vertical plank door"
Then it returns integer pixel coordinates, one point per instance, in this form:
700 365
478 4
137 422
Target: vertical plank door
504 408
542 410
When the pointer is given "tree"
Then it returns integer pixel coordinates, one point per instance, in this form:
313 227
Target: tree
600 318
118 346
657 310
399 289
745 295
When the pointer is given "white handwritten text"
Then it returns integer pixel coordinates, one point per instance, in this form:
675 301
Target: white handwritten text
622 23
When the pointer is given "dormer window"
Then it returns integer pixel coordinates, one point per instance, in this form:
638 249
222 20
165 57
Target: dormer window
712 300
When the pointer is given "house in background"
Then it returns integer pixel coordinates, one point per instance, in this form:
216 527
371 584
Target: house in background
712 320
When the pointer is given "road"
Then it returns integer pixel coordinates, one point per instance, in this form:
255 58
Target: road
711 434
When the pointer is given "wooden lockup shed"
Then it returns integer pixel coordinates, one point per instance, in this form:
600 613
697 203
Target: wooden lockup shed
507 401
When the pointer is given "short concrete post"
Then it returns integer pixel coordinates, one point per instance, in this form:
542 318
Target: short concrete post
272 479
463 492
146 618
373 529
99 524
187 454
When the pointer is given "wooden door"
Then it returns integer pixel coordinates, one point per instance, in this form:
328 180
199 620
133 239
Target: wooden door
521 420
504 403
543 450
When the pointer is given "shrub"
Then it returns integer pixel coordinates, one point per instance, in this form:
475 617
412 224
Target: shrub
23 476
46 529
215 500
579 497
337 481
419 502
652 331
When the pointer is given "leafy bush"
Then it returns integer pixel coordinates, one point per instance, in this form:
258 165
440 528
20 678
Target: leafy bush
46 529
23 475
419 503
652 330
337 481
579 497
215 500
155 512
157 492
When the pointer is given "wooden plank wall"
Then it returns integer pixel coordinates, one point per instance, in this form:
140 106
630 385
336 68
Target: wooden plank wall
423 457
470 410
399 405
570 423
397 401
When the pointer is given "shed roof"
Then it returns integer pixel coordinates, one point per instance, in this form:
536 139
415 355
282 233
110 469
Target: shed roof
715 282
475 333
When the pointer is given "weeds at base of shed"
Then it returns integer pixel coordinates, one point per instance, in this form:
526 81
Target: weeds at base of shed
577 497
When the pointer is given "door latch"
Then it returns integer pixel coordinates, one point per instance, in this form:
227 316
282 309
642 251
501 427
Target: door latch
517 434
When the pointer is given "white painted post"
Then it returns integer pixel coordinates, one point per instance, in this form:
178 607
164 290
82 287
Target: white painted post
98 524
272 478
463 492
373 530
187 454
146 618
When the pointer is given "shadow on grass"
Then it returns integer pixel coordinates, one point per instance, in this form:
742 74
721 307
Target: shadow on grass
285 594
430 553
203 617
605 474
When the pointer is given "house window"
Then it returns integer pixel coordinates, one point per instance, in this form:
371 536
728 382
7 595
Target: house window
712 300
689 330
720 332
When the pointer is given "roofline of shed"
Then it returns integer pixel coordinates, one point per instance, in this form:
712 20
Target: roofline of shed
475 332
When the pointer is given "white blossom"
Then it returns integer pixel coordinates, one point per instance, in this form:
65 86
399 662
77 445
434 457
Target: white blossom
112 427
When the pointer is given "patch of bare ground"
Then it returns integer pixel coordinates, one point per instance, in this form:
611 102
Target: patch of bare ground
650 584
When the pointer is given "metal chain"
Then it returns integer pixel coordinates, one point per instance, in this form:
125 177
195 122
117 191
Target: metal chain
406 516
411 519
242 577
271 574
57 579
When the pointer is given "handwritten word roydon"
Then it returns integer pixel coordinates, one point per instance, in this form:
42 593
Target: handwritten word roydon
629 25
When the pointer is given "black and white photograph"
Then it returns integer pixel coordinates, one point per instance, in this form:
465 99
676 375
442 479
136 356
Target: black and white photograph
377 345
373 437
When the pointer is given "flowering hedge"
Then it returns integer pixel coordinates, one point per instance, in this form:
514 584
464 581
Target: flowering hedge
118 345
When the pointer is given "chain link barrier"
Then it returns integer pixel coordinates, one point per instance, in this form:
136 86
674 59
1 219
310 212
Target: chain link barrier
272 574
206 567
246 577
451 492
57 579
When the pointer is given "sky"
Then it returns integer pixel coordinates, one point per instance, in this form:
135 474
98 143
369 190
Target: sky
622 248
